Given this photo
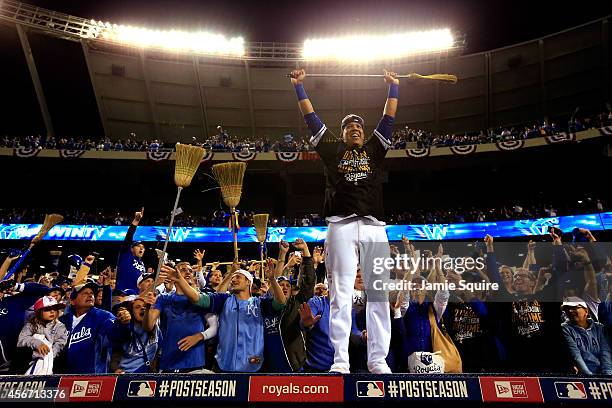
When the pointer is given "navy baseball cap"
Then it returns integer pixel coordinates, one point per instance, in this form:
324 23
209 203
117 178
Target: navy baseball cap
134 243
91 285
351 118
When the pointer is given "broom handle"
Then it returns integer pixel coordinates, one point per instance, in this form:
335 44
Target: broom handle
17 265
229 263
233 211
261 252
163 255
350 76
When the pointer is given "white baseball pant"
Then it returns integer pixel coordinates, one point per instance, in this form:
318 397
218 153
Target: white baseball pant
348 242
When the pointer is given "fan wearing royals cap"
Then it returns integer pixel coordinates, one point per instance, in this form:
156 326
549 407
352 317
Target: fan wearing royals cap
353 210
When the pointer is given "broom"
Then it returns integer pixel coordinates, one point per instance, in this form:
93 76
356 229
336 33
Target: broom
50 221
435 77
230 176
261 227
187 161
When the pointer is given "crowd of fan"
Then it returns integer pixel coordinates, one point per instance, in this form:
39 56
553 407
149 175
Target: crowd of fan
422 138
219 218
222 141
543 316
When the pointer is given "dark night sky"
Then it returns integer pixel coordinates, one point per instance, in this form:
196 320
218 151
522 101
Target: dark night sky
487 25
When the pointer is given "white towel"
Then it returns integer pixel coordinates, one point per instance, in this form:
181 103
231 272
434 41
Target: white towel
42 365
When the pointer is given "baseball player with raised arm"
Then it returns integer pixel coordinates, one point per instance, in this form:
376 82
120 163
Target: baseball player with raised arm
353 210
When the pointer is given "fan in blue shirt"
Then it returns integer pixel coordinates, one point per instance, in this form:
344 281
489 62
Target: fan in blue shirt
183 325
241 317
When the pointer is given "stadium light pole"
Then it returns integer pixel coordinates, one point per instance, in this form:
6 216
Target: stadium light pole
40 95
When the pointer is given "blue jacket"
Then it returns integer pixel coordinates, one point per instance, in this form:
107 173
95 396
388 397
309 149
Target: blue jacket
129 267
588 348
90 342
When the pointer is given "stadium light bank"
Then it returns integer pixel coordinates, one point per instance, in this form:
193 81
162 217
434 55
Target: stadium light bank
171 40
362 48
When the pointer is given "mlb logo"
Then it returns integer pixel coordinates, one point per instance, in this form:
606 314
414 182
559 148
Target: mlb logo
141 388
371 389
510 389
570 390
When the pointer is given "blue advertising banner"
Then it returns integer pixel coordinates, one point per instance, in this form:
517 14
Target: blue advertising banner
185 387
476 230
411 388
585 390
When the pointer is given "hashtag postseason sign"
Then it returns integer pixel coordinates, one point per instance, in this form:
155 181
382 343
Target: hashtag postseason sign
186 387
409 387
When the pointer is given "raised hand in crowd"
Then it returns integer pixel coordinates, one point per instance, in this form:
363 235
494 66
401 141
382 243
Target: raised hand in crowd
302 246
308 320
138 216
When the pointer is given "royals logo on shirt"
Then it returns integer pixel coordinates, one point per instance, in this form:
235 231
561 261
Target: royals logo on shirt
570 390
79 336
370 389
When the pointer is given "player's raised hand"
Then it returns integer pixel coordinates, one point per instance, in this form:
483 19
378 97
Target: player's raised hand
297 76
308 320
390 77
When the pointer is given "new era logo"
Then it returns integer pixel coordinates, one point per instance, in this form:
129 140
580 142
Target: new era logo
141 388
510 389
370 388
570 390
89 389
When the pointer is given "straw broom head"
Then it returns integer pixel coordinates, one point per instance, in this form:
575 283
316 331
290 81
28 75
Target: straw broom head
188 160
435 77
261 226
50 221
230 176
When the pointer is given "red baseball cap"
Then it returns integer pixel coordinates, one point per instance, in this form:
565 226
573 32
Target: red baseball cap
48 303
